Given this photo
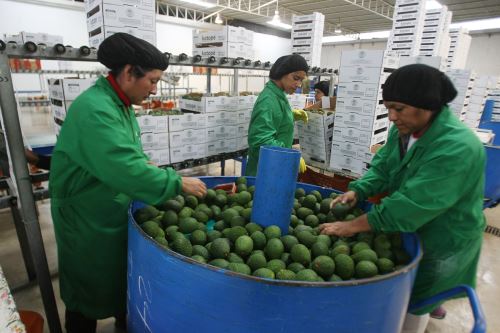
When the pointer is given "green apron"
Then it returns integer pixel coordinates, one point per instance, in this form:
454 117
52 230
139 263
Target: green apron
436 190
271 124
98 166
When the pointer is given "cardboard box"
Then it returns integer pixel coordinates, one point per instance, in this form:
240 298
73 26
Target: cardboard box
351 149
361 137
220 133
222 146
346 106
360 74
141 4
242 143
210 104
69 89
157 124
246 102
361 122
97 36
226 34
230 50
187 152
367 58
220 118
187 137
339 162
58 112
37 38
158 156
152 140
357 89
243 116
187 121
120 16
297 101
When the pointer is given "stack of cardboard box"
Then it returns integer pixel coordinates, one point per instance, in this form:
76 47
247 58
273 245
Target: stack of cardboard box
407 27
459 48
361 119
307 33
483 85
107 17
231 42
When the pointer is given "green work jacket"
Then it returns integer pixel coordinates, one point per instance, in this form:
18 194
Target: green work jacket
271 124
436 190
98 166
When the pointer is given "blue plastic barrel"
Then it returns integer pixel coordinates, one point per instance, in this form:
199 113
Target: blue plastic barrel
275 186
492 175
168 292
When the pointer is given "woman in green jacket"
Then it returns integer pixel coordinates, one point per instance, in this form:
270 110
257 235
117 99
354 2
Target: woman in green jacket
272 118
432 166
98 167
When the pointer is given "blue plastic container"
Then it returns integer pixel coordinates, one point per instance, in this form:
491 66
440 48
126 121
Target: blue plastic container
275 186
168 292
492 175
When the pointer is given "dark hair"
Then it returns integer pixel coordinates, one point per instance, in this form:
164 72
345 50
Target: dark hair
136 70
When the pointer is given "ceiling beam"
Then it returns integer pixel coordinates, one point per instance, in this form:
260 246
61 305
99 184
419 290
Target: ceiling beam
378 7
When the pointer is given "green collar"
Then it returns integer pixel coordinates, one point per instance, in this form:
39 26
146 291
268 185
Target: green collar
276 90
103 83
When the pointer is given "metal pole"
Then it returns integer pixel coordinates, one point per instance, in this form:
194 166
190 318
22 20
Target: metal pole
235 82
23 239
28 211
209 80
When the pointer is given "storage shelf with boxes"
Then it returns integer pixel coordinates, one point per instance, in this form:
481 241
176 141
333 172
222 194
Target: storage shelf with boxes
361 119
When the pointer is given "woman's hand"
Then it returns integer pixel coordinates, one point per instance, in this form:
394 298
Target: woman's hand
348 197
346 228
194 186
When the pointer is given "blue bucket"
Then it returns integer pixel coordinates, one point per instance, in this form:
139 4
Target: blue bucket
275 186
168 292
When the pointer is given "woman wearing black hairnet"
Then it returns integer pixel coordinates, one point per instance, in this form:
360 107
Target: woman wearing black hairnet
98 167
272 117
432 166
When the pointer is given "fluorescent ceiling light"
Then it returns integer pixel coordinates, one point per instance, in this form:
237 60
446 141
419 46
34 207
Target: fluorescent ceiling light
201 3
218 19
432 4
276 21
338 30
478 25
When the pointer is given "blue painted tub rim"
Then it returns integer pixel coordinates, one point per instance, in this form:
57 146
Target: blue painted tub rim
415 261
281 149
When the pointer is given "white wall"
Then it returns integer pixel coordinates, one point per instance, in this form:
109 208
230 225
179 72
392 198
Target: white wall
482 57
71 24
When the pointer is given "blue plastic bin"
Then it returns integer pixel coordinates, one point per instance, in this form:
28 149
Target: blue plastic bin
168 292
492 176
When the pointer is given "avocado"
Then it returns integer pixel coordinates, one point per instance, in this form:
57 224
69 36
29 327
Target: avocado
359 246
303 212
185 212
221 263
300 253
294 221
210 196
276 265
319 249
228 214
309 201
385 265
306 238
173 205
198 237
237 221
183 246
200 216
307 275
252 227
246 214
162 241
241 180
188 225
233 257
334 278
324 266
169 218
289 241
191 201
325 239
235 232
201 251
220 200
263 272
243 198
272 231
365 255
366 269
256 261
300 192
341 210
220 248
325 205
259 240
243 245
274 249
285 274
295 267
344 266
312 221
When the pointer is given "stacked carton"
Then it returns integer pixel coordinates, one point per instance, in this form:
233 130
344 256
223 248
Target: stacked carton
483 85
463 80
231 42
155 138
107 17
35 37
307 33
361 119
494 95
407 27
459 48
62 92
209 104
436 62
315 139
435 34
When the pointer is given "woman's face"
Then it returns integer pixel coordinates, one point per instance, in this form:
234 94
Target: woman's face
318 94
406 118
138 89
290 82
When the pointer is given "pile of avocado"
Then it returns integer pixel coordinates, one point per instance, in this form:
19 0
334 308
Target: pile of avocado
217 230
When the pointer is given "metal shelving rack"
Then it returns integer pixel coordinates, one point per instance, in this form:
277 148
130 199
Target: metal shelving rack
28 226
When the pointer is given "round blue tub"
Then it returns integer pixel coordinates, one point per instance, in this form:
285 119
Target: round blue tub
168 292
